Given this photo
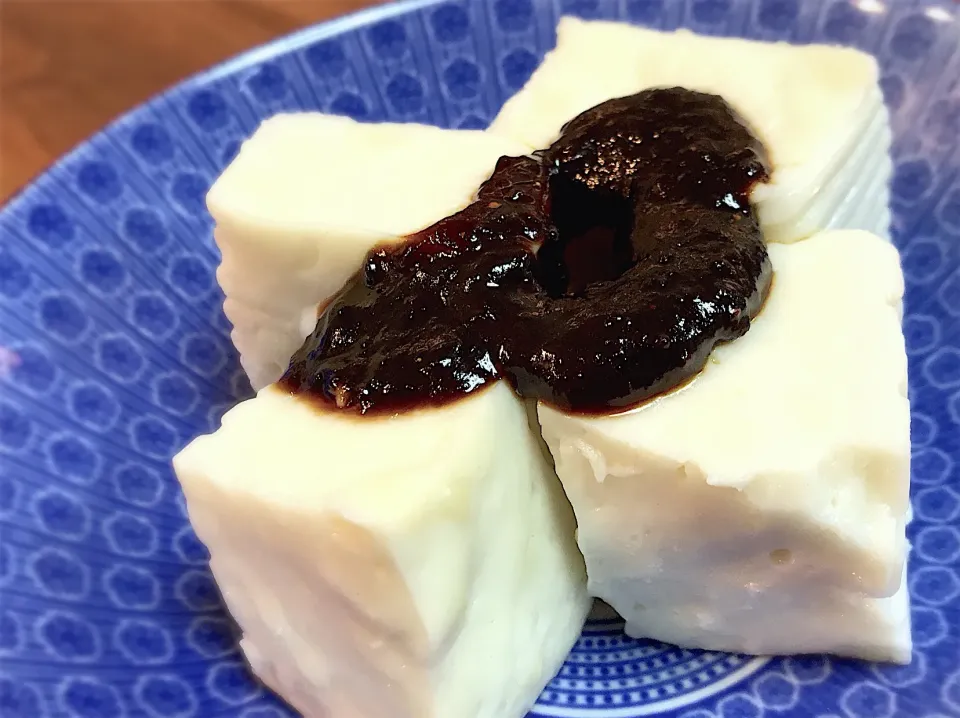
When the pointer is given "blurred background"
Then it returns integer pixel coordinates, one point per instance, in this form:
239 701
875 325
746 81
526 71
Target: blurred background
67 67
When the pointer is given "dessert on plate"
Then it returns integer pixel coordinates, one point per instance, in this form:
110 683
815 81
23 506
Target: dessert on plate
652 297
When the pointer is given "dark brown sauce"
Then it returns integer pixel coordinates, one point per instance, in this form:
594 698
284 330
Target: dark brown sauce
595 275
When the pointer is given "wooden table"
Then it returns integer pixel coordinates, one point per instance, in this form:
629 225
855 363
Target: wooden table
70 66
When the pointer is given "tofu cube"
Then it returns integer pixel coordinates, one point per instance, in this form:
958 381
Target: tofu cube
414 566
761 507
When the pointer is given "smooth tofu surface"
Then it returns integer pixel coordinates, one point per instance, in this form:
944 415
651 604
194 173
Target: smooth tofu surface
311 171
812 106
417 566
308 195
761 507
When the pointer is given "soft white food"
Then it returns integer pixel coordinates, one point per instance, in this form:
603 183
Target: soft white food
307 197
818 109
428 565
420 566
761 507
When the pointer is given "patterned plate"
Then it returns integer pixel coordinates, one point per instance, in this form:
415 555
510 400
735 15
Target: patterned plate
114 353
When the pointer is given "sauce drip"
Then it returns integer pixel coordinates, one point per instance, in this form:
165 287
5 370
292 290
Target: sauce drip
591 276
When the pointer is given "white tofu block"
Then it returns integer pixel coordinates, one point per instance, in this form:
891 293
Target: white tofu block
818 109
419 566
308 196
761 507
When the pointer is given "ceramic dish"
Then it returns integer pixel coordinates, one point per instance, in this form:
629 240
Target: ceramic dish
114 353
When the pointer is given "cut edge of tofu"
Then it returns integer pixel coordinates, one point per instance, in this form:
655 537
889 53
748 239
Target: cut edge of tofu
862 626
297 260
268 527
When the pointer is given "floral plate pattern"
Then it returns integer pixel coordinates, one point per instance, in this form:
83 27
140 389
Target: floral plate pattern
114 353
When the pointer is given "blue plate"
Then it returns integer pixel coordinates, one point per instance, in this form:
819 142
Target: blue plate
114 353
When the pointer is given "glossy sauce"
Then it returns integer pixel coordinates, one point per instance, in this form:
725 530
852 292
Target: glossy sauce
592 276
